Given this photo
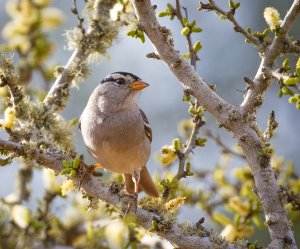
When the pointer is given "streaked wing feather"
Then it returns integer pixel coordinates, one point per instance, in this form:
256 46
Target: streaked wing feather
148 130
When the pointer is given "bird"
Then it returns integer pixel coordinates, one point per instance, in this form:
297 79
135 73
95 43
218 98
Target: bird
117 133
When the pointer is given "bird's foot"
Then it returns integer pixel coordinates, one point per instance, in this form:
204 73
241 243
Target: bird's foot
131 202
90 171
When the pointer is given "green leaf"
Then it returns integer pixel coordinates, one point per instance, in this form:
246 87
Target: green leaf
197 46
66 171
66 164
196 30
237 5
164 13
291 81
72 173
185 21
192 24
170 6
266 32
76 163
287 91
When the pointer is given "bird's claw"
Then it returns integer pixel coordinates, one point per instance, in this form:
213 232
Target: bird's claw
132 202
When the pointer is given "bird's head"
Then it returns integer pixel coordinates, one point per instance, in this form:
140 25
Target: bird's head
122 88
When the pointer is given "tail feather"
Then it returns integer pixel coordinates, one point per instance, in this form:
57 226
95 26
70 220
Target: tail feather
146 183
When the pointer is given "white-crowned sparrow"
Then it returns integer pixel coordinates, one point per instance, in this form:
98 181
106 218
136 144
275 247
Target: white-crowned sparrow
116 131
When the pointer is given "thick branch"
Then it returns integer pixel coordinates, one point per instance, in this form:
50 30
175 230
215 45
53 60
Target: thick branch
262 79
60 89
95 188
228 115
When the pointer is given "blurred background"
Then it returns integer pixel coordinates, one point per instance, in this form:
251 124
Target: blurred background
225 60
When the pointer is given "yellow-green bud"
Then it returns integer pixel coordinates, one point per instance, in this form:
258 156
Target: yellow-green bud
170 6
293 99
192 111
298 67
66 164
186 97
66 171
298 104
266 32
186 56
291 81
177 144
287 91
72 173
285 64
197 46
184 21
192 24
76 163
188 166
186 31
201 142
164 13
192 103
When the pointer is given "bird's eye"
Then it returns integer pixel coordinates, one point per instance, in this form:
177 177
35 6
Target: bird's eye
120 81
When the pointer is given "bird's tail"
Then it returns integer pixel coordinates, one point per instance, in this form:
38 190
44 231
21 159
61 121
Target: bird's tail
146 184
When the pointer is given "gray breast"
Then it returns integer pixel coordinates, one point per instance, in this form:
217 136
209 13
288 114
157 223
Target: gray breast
116 140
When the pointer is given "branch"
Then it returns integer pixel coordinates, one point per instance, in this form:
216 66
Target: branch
263 77
182 156
229 116
61 87
95 188
193 55
225 149
229 15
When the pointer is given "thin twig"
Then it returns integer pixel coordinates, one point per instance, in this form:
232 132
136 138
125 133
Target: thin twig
80 20
225 149
182 156
230 17
193 54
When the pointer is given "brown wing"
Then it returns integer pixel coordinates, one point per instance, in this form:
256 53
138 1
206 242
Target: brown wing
148 130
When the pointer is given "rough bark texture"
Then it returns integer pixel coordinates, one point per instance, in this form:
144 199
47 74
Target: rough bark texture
95 188
231 117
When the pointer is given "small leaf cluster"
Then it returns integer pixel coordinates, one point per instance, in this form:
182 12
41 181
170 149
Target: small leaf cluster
290 82
134 29
189 27
70 168
194 109
170 12
263 37
233 6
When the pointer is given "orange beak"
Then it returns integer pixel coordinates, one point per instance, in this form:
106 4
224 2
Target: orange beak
138 85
